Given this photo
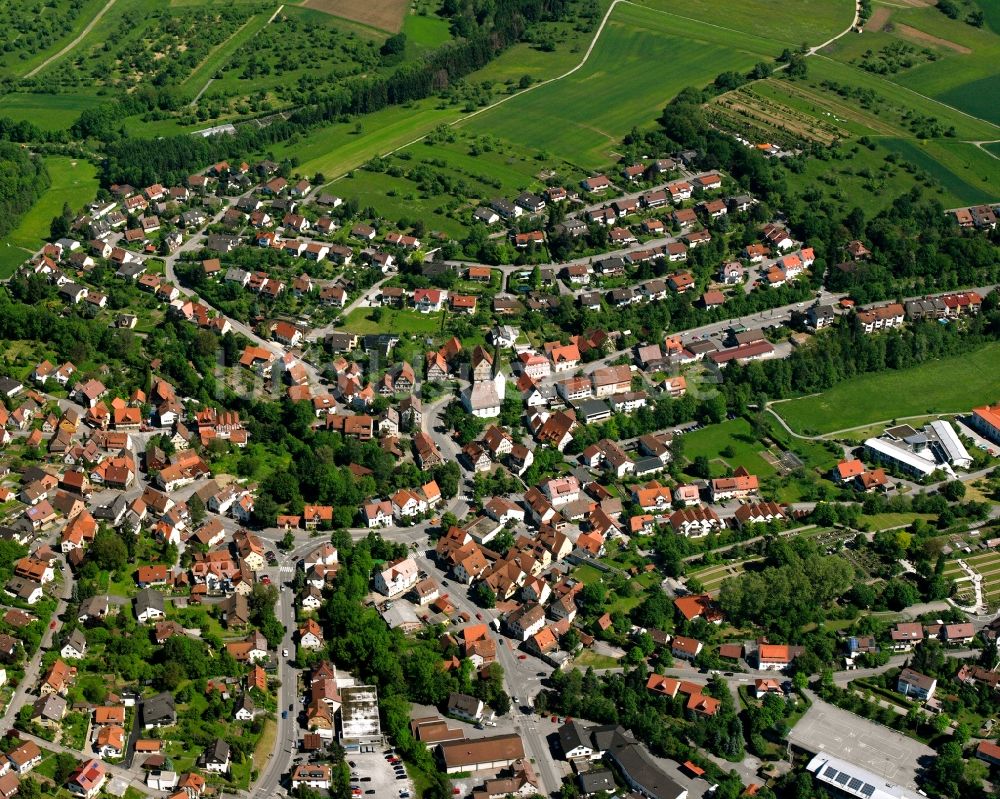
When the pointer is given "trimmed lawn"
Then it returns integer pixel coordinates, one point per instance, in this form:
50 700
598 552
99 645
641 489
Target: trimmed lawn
392 321
948 385
587 574
883 521
589 659
73 181
736 434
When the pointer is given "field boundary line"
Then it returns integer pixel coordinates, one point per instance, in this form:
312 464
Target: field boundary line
87 29
710 24
586 55
580 65
825 436
914 92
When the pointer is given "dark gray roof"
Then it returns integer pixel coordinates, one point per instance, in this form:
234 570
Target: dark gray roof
149 598
573 734
597 781
217 752
159 709
640 769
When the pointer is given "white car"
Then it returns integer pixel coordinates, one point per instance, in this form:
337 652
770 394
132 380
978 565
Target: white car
284 653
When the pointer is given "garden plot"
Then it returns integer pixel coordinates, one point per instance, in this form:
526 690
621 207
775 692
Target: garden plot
987 565
712 577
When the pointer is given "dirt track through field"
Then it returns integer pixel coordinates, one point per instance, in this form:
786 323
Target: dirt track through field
75 42
878 19
926 38
386 15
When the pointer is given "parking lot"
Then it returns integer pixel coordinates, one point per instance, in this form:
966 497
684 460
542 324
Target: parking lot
825 728
374 776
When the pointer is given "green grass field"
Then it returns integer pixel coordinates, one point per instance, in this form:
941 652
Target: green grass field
425 32
965 171
711 440
948 385
582 117
73 182
392 321
333 150
962 72
810 21
47 111
194 82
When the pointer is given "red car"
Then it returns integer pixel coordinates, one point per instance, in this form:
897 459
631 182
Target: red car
522 657
266 580
52 625
479 616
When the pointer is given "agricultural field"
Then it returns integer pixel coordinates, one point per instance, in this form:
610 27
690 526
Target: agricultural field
810 21
140 42
60 110
923 49
73 182
583 116
333 150
948 385
735 436
386 15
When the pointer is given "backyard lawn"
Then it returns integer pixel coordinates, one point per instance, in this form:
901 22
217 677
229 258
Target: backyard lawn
392 321
734 435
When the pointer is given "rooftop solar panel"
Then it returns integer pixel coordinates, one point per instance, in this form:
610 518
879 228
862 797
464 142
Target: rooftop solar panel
867 790
830 772
855 784
842 778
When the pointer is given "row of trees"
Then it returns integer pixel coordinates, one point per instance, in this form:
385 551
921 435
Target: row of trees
846 351
23 178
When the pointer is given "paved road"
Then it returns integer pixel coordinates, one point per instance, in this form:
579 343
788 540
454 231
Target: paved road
285 745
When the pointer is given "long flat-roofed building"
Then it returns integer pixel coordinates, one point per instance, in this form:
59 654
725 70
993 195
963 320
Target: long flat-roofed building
359 721
855 781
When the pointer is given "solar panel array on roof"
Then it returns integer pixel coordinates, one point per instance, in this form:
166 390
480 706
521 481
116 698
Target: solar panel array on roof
842 778
830 772
855 784
867 790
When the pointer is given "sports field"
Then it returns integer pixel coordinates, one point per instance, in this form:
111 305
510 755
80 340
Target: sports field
948 385
641 60
73 182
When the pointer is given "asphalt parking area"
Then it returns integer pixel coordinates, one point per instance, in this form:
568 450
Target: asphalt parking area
382 774
825 728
